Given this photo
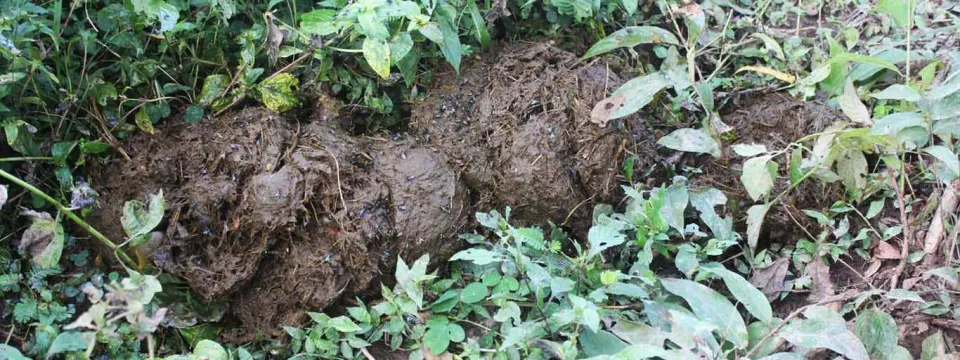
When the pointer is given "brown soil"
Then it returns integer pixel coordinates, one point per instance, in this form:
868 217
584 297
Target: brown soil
283 215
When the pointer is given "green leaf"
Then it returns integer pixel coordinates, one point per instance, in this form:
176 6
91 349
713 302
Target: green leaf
748 150
756 177
143 121
676 199
945 156
686 260
852 168
637 93
372 25
213 87
11 353
479 25
851 105
600 343
343 324
193 114
898 10
712 307
450 48
318 22
210 350
93 147
770 43
455 332
757 331
946 273
691 140
437 339
631 36
846 57
69 341
377 54
898 92
400 46
878 332
479 256
875 208
824 328
751 298
630 6
933 347
43 240
138 219
473 293
902 294
278 92
603 237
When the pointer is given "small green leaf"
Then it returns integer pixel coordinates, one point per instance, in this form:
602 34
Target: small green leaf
213 87
377 54
755 216
278 93
478 256
475 292
143 121
138 219
343 324
902 294
437 339
455 332
691 140
875 208
770 43
945 156
210 350
748 150
94 147
631 36
193 114
602 237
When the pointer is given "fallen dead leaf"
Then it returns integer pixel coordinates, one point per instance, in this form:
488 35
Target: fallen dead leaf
601 112
779 75
885 251
872 269
770 279
822 285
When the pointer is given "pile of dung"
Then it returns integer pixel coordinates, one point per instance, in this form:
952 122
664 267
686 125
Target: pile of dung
283 216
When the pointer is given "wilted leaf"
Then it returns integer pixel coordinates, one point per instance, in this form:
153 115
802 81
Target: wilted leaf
691 140
878 332
603 111
748 150
213 87
377 54
637 93
712 307
770 279
819 272
751 298
756 177
851 105
631 36
43 240
886 251
139 219
824 328
777 74
755 215
278 92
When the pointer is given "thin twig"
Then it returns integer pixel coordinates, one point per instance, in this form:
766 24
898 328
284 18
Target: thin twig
907 237
367 354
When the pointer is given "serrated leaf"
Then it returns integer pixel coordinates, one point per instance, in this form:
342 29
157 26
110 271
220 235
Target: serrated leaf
751 298
878 332
635 94
712 307
824 328
278 92
691 140
139 219
377 54
756 177
898 92
748 150
631 36
755 215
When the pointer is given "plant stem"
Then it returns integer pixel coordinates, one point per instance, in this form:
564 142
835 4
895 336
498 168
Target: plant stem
76 219
26 158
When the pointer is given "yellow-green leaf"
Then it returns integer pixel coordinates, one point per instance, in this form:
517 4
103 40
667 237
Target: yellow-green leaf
377 54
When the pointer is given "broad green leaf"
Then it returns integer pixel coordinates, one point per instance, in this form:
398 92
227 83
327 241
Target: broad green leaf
450 42
902 294
637 93
705 201
409 278
770 43
875 208
139 219
473 293
948 274
600 343
478 256
748 150
377 54
898 92
635 352
898 10
631 36
400 46
11 353
630 6
757 331
343 324
878 332
602 237
755 215
69 341
278 92
686 260
210 350
751 298
479 25
510 310
846 57
712 307
691 140
756 177
193 114
824 328
318 22
894 123
372 25
455 332
852 168
945 156
784 356
933 347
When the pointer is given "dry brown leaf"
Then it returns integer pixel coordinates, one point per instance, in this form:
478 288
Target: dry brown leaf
770 279
779 75
428 356
885 251
872 269
819 272
601 112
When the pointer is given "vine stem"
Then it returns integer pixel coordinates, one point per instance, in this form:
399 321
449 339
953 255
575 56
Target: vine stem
66 211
